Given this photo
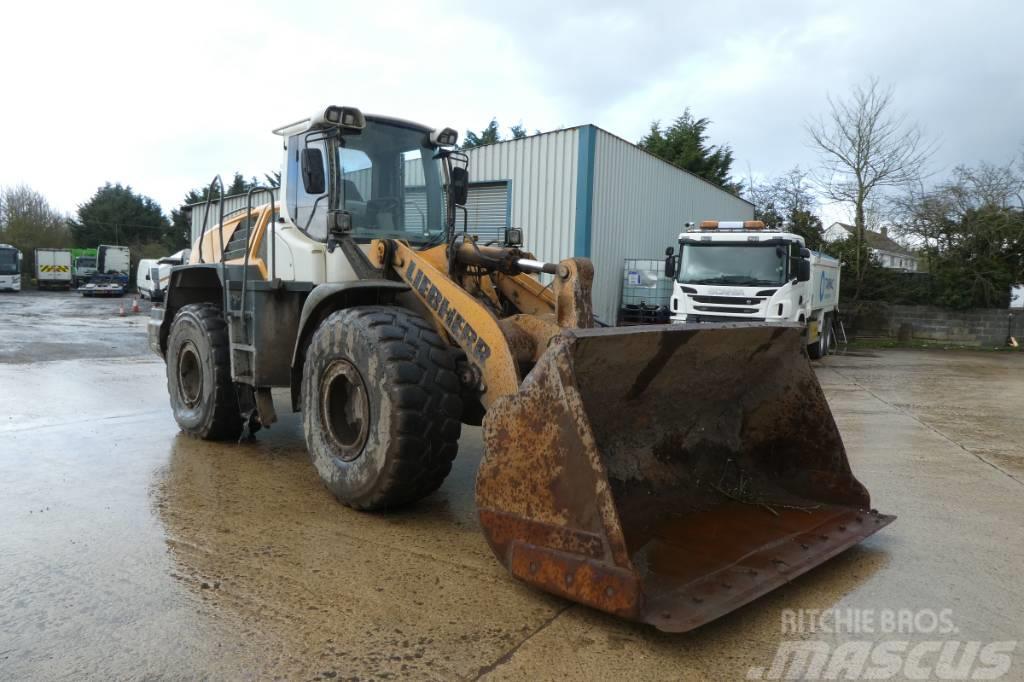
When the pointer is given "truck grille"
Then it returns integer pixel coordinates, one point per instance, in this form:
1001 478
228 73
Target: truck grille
721 309
727 300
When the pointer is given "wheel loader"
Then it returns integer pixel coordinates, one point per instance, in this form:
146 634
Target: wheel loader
666 474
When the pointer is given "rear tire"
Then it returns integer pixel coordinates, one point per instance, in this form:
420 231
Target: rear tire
380 406
199 374
819 348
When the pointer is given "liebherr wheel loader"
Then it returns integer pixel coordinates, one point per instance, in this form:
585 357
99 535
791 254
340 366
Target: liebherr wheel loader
666 474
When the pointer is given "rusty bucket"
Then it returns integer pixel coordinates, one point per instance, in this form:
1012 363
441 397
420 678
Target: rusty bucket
669 474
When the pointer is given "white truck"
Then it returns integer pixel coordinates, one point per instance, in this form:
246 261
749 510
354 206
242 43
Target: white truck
53 268
741 271
10 268
113 272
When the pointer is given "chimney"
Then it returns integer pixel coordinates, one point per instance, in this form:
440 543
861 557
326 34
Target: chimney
885 232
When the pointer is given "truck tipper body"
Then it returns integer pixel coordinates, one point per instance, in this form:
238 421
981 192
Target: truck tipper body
742 271
53 268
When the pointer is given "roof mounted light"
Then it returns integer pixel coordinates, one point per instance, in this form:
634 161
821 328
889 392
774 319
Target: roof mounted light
446 137
343 117
331 117
732 225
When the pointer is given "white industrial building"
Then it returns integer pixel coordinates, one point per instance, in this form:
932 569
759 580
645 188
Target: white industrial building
582 192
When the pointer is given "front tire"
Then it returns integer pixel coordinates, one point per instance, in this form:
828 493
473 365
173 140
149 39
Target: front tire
380 406
199 374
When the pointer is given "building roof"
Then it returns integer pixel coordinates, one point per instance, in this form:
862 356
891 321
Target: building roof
611 134
880 241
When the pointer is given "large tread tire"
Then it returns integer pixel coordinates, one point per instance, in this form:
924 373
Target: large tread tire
412 396
199 374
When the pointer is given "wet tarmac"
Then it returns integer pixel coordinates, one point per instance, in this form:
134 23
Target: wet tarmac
130 551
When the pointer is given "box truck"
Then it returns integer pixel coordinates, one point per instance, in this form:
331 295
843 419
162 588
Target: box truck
53 268
743 271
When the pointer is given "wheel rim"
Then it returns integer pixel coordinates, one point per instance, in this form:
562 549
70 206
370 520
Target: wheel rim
345 409
190 375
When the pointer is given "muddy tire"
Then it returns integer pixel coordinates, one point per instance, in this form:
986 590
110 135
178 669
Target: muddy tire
199 374
380 406
819 348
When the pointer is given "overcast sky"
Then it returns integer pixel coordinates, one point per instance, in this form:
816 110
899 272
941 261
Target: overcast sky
162 96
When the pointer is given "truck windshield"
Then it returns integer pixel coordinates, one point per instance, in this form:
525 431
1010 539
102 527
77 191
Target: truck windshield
734 264
8 262
85 263
390 183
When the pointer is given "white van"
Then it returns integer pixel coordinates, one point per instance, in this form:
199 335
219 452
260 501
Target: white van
144 281
153 274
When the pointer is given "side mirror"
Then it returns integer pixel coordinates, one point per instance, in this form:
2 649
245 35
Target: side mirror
459 186
803 270
313 171
670 267
805 253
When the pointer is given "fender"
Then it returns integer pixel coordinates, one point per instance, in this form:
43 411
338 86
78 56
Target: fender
198 283
326 299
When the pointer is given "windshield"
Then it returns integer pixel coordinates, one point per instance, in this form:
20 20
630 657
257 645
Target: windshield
733 264
390 183
8 262
85 263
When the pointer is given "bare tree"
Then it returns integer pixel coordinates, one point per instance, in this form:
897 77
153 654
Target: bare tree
787 202
865 146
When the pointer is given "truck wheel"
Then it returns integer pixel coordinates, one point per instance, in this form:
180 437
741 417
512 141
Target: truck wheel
819 348
199 374
380 406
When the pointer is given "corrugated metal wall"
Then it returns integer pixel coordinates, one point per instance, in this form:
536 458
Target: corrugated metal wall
541 175
231 204
640 204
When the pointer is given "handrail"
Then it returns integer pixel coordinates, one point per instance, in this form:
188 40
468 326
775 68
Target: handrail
248 244
206 215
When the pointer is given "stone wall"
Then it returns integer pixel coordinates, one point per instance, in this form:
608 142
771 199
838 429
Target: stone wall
978 327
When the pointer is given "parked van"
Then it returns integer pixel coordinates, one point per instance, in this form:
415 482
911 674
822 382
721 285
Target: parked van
153 274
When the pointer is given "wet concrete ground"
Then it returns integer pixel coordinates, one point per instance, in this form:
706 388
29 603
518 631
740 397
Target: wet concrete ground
129 551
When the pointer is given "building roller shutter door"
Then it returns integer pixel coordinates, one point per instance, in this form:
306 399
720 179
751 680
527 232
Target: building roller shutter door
415 209
487 206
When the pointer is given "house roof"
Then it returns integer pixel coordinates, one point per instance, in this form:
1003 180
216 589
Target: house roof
880 241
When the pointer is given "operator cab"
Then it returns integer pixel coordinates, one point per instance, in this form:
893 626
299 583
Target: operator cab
371 176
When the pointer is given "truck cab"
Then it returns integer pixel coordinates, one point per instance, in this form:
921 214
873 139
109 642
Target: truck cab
743 271
84 269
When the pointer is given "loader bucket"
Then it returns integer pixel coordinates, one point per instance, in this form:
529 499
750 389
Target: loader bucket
669 474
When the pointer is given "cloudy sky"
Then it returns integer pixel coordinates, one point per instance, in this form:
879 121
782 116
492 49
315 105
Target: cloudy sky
162 96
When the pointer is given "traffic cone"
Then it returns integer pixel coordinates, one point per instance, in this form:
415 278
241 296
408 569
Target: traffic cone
135 305
120 310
